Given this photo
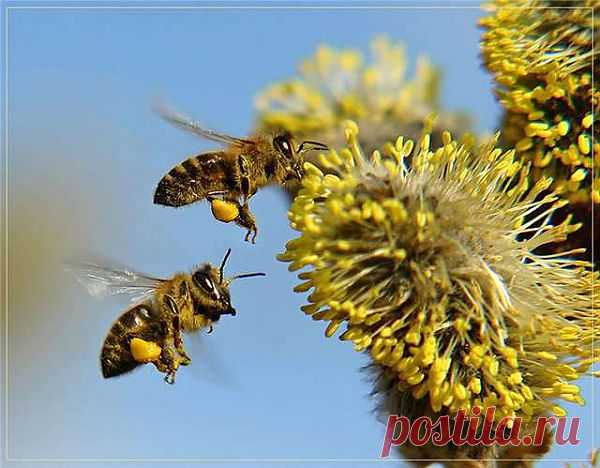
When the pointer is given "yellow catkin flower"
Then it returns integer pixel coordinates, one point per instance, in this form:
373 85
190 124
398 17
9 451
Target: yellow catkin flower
375 91
541 59
468 305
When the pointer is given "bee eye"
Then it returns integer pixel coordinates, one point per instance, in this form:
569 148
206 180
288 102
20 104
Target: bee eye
202 280
283 145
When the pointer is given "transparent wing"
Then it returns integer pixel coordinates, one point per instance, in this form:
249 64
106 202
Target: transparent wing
193 126
102 281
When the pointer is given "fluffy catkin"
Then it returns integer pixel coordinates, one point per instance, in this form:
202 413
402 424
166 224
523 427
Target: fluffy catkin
426 259
545 61
375 91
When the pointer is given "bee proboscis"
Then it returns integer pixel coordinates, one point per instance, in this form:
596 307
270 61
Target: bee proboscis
162 309
233 174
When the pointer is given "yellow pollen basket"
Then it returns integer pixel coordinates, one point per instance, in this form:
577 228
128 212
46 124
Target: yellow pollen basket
224 211
144 351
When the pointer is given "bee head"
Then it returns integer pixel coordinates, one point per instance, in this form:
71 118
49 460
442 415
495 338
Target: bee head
210 290
284 144
211 297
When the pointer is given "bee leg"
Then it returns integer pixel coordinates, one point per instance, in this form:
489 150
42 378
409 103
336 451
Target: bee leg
169 361
175 329
245 181
170 378
246 219
185 359
168 365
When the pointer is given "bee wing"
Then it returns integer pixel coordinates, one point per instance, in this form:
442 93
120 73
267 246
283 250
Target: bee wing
193 126
101 281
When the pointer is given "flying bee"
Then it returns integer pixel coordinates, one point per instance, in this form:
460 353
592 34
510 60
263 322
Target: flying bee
234 174
162 309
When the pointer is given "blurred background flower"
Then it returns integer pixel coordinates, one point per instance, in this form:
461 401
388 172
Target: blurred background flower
540 54
375 91
419 254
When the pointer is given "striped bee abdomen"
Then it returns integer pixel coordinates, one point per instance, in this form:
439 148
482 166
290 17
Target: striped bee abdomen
193 179
137 322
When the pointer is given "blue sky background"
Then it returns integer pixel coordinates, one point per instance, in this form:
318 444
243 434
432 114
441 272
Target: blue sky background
85 152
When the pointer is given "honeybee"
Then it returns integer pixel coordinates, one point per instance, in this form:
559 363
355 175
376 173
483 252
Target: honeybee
233 174
150 331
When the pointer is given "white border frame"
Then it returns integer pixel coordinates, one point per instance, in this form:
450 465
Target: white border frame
6 9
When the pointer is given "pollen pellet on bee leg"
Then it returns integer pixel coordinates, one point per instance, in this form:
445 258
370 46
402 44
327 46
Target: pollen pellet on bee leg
223 210
144 351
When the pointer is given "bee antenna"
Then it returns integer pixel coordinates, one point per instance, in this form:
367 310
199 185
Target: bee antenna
227 254
247 275
314 145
